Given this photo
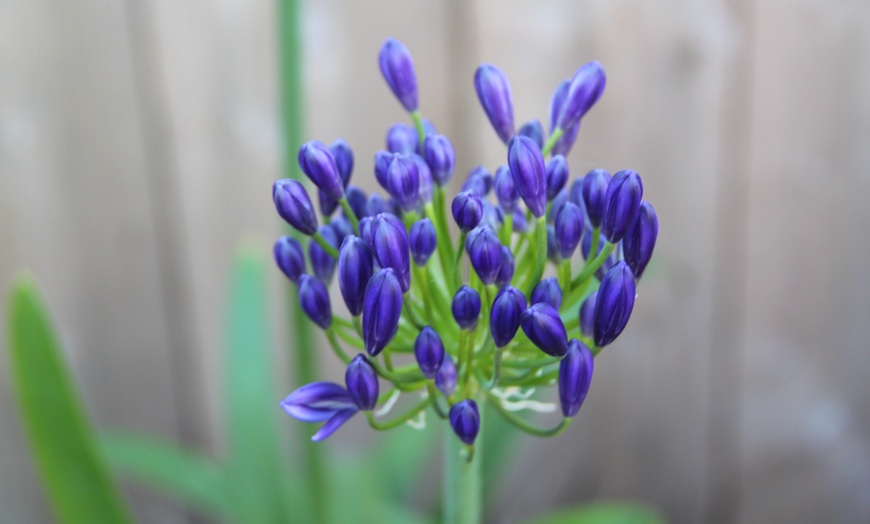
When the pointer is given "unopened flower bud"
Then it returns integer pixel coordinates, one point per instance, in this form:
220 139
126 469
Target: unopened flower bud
585 89
318 164
424 194
614 304
552 245
548 292
314 300
429 351
342 227
289 257
375 205
466 307
362 383
505 189
507 308
390 247
465 420
569 134
533 130
382 307
529 173
294 206
494 93
343 155
544 327
557 175
322 262
575 377
569 228
594 193
587 315
403 181
640 240
508 265
355 268
398 70
382 167
622 203
401 139
484 251
327 203
445 379
467 209
479 180
441 158
423 241
521 225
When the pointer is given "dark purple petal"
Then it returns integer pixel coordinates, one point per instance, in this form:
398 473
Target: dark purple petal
398 70
402 139
314 300
466 307
322 262
289 257
533 130
429 351
343 155
355 268
424 194
587 315
467 209
622 204
294 206
557 175
569 228
585 89
328 204
423 241
342 227
318 164
465 420
548 292
575 377
361 380
317 402
333 424
389 243
594 194
441 158
484 251
357 199
478 180
614 304
403 181
375 205
505 189
529 173
507 308
445 379
640 240
542 324
508 265
494 93
382 307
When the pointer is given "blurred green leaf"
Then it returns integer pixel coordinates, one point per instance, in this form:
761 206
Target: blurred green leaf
61 438
604 513
401 455
253 473
192 479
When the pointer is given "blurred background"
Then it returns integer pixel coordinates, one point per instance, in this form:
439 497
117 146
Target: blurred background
139 140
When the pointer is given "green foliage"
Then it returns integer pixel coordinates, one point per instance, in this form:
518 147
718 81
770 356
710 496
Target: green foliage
604 513
61 439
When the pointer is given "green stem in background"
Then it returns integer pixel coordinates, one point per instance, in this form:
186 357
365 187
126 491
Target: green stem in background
564 272
462 491
354 221
457 272
591 267
418 124
506 229
557 134
540 254
398 421
322 242
433 398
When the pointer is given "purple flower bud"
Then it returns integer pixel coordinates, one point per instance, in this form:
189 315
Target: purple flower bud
294 206
533 130
382 307
402 139
530 175
594 193
585 89
614 304
494 93
622 204
548 292
465 420
557 100
398 70
365 229
355 268
343 155
506 273
390 247
521 225
575 377
429 351
493 217
555 205
322 262
357 199
505 189
484 251
317 402
314 300
466 307
467 209
429 128
423 241
317 163
640 240
441 158
557 175
382 167
374 205
445 379
362 383
507 308
342 228
552 245
289 257
566 142
575 194
542 324
403 181
478 180
587 315
424 194
327 203
569 228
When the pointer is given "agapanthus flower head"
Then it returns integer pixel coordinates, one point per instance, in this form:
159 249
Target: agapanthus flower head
429 352
314 300
441 158
587 315
319 402
494 93
382 307
478 180
640 240
402 139
622 204
505 189
423 241
548 292
355 268
389 243
322 262
318 164
585 89
508 265
403 181
361 380
575 377
557 175
445 379
613 304
467 209
294 206
465 420
544 327
398 70
484 251
289 257
343 155
504 321
529 172
534 130
466 307
594 194
569 228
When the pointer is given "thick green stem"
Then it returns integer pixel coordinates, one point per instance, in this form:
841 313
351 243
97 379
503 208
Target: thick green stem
592 266
462 492
322 242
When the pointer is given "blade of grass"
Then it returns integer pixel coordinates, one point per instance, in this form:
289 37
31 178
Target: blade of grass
60 436
604 513
192 479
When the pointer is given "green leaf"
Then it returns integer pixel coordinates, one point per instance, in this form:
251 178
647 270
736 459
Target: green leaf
253 472
604 513
400 456
194 480
60 435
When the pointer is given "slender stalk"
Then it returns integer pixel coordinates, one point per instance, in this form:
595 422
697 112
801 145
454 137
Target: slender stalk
322 242
557 134
540 254
462 492
524 425
354 221
592 266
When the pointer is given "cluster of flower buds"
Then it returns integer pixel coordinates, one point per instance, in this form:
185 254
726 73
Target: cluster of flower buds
471 312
